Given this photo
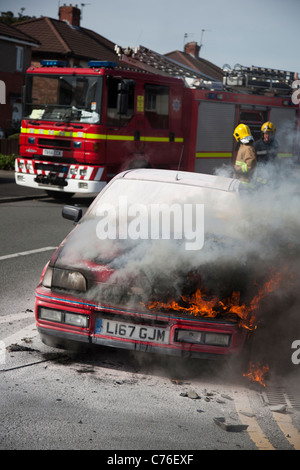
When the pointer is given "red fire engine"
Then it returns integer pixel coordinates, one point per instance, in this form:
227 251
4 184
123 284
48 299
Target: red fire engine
81 126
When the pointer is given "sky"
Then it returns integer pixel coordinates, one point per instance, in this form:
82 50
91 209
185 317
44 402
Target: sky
260 33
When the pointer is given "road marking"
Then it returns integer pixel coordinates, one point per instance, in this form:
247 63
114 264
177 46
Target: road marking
28 332
285 423
255 432
12 317
30 252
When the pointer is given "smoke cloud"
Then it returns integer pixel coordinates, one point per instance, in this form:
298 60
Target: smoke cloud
272 244
249 243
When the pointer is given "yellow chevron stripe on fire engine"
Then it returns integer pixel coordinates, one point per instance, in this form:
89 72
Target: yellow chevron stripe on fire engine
60 133
83 135
213 154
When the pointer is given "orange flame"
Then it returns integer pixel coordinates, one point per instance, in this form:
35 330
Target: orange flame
200 304
257 373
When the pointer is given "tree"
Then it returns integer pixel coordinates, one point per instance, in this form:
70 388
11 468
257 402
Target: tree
9 18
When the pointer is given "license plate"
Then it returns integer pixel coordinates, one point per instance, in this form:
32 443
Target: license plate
132 331
53 153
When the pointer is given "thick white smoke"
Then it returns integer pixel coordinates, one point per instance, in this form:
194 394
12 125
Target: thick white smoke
257 238
272 244
262 231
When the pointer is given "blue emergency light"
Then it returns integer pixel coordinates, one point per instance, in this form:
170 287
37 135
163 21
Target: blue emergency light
53 63
101 63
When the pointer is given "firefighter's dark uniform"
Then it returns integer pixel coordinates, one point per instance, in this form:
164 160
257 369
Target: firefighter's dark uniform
266 151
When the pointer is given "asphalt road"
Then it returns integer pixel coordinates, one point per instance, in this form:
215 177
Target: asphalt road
114 400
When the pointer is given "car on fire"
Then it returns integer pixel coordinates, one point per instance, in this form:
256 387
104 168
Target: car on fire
146 269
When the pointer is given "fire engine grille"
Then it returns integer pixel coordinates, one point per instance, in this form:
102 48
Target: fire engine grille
49 167
57 143
60 160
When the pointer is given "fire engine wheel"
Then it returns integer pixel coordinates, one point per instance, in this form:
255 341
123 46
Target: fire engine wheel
59 196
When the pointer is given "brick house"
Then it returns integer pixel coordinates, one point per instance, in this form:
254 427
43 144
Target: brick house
66 40
15 58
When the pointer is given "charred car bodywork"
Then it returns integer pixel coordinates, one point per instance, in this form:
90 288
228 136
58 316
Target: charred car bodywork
136 293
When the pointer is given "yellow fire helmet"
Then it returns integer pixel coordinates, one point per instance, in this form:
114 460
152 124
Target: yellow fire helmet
268 127
243 134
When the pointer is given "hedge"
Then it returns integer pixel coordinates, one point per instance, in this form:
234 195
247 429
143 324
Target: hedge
7 162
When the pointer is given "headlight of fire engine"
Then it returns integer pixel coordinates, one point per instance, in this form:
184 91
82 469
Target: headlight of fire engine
64 279
202 337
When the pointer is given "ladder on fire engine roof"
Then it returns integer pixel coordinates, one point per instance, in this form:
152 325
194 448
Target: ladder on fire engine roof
258 79
153 62
243 79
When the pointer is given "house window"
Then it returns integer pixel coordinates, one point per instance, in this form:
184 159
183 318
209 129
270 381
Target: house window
19 58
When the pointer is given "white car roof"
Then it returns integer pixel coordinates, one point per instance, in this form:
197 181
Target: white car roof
183 177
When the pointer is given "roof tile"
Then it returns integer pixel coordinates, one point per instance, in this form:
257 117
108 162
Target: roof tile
61 38
203 65
12 32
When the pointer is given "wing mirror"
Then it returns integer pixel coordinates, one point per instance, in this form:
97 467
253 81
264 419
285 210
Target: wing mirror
72 213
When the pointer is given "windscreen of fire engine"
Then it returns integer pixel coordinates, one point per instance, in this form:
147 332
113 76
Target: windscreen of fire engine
63 98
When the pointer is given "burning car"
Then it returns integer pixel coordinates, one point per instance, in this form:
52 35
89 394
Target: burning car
156 264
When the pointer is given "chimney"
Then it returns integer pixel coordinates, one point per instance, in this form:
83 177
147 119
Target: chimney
192 48
70 14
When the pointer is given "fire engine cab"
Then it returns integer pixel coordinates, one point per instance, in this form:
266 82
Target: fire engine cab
82 126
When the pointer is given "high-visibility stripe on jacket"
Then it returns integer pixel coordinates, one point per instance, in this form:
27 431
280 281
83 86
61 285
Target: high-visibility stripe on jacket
245 162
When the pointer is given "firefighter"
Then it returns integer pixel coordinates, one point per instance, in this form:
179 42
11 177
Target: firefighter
245 163
267 146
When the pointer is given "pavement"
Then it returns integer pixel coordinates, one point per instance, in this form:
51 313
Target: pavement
10 191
